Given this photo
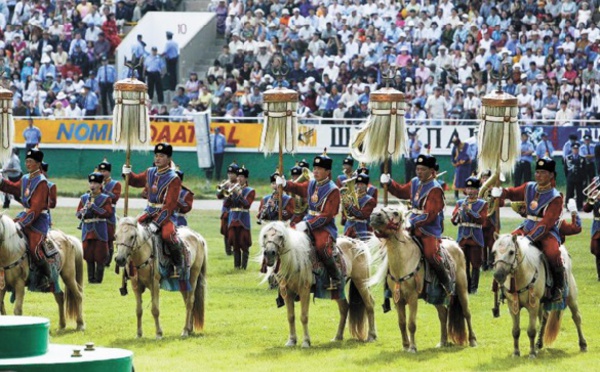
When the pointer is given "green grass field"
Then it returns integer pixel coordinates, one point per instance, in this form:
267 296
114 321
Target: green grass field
246 331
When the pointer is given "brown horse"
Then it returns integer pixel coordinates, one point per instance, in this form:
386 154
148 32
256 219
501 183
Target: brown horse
401 258
516 258
135 245
15 266
295 278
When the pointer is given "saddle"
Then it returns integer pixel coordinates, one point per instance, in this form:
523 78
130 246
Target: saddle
433 292
322 276
547 299
172 278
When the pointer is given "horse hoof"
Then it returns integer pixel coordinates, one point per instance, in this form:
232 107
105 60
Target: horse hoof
184 334
80 328
516 354
159 337
290 343
583 349
441 344
473 343
305 344
337 339
371 339
532 356
412 350
539 345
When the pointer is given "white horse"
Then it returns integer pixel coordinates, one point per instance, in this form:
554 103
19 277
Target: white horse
296 277
135 245
14 266
400 265
517 260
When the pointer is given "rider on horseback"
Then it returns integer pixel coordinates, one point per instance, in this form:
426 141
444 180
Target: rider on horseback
544 207
323 204
34 221
163 187
427 214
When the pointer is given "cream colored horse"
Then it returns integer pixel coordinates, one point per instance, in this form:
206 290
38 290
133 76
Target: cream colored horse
14 264
405 274
296 277
515 257
134 245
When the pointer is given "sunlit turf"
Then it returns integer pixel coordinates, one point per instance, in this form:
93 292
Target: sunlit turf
246 331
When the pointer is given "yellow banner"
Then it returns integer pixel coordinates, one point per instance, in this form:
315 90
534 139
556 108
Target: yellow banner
99 132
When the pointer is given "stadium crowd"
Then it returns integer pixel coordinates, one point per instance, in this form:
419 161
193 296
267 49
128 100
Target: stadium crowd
56 56
444 55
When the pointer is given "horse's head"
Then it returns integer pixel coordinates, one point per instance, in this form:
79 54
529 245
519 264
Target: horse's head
505 253
127 239
388 220
272 241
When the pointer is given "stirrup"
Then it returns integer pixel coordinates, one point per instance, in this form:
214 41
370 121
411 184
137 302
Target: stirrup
333 285
557 295
175 274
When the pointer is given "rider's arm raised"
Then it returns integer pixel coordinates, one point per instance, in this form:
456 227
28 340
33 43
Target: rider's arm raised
398 190
300 189
514 193
139 180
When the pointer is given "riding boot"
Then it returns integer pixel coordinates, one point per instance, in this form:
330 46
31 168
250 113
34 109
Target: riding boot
99 273
237 258
442 275
245 256
91 269
474 281
45 274
598 267
176 249
559 284
228 250
334 274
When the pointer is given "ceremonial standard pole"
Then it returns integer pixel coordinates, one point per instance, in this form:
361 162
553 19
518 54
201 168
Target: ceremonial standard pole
7 125
280 126
131 124
383 138
499 142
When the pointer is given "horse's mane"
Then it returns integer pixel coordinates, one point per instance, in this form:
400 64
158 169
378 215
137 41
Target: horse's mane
379 257
10 239
295 262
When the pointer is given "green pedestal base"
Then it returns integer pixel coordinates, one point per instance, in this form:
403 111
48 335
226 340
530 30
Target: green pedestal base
59 359
23 336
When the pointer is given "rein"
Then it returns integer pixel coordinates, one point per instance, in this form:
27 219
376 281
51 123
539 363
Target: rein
529 287
133 247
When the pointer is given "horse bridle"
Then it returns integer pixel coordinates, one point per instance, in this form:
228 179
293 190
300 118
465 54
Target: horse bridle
280 248
514 264
133 247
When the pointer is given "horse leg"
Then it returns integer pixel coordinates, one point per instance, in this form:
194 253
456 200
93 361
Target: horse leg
370 308
343 308
155 308
463 297
188 299
576 315
516 330
543 316
19 297
60 300
289 304
2 308
413 305
304 304
139 311
533 314
443 317
401 310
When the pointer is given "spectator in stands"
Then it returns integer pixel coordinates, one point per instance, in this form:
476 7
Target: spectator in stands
176 111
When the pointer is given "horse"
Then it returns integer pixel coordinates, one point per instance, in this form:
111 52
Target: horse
135 245
400 257
295 277
519 261
14 264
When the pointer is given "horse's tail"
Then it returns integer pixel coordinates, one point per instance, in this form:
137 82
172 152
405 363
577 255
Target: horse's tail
72 299
456 322
357 313
200 293
552 326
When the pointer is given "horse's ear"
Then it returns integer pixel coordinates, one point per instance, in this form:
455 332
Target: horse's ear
496 235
